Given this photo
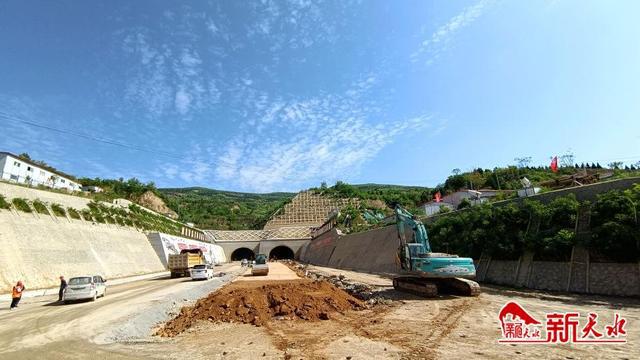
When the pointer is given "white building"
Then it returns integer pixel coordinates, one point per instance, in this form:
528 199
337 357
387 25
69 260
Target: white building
92 189
453 200
16 169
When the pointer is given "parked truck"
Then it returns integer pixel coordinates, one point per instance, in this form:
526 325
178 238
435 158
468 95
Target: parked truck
181 264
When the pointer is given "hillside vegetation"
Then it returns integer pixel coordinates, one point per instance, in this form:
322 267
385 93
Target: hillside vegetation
505 232
508 178
223 210
408 196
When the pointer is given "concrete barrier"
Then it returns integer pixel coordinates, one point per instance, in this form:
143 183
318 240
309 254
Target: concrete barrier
38 249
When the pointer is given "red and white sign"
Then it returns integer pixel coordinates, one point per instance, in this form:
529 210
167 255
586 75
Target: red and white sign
518 326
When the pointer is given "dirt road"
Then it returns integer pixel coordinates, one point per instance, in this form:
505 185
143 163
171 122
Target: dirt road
458 327
43 328
407 327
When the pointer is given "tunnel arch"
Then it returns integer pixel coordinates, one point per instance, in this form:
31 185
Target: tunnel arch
242 253
281 252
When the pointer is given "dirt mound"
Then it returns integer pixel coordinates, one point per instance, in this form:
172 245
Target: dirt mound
153 202
257 303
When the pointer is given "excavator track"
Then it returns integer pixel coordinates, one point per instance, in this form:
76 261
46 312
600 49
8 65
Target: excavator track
459 286
429 287
415 285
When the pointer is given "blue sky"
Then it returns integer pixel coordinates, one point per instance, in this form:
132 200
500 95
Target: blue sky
281 95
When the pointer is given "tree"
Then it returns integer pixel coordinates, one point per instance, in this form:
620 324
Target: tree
465 203
614 226
24 156
615 165
456 171
523 161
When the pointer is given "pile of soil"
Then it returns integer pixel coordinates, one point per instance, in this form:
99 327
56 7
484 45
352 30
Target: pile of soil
258 302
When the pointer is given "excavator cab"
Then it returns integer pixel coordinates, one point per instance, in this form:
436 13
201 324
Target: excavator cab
409 253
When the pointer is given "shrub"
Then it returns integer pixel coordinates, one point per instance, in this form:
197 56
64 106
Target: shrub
614 227
58 210
40 207
86 214
21 205
73 213
3 203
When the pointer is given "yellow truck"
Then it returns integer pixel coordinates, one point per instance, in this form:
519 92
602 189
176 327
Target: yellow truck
181 264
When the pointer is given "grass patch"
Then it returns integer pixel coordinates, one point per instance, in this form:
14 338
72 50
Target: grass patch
73 213
3 203
86 214
21 205
58 210
40 207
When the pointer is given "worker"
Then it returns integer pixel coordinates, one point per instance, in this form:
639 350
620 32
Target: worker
63 286
16 294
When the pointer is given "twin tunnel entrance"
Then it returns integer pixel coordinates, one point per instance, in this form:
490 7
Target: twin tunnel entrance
277 253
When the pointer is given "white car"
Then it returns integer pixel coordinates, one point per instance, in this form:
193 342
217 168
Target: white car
85 287
202 272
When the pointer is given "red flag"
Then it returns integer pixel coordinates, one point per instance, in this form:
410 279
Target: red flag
438 197
554 164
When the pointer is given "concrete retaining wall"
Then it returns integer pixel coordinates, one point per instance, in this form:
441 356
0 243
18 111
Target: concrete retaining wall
375 251
165 245
621 279
549 275
372 251
319 250
614 279
502 272
38 249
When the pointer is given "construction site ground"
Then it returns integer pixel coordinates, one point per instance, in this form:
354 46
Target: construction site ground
392 326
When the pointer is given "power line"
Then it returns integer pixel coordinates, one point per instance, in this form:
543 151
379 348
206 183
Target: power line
99 139
221 162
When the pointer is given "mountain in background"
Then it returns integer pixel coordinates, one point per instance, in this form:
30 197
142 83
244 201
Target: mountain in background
224 210
228 210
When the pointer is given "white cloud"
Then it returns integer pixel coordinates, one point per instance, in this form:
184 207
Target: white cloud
211 26
182 101
301 140
166 79
432 47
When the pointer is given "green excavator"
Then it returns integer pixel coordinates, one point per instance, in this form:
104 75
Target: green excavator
424 272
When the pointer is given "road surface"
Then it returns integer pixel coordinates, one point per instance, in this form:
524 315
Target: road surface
43 328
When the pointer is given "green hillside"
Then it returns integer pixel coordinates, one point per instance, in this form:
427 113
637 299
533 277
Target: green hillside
223 210
227 210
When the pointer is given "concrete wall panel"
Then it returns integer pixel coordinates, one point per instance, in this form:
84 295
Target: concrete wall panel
319 250
372 251
614 279
549 275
